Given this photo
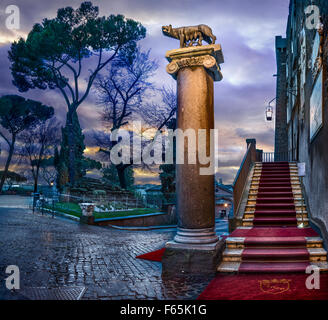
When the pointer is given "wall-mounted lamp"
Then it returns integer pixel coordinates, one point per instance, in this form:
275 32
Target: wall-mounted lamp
269 111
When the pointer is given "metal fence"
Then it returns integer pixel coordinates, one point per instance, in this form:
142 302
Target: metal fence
114 202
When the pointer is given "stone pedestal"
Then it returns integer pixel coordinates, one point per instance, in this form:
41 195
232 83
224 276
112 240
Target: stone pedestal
87 212
195 69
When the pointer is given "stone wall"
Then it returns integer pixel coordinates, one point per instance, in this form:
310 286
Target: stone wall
146 220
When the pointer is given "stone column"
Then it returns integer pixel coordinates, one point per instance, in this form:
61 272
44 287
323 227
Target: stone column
195 69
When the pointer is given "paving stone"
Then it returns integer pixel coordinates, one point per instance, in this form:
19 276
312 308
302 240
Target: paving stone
56 253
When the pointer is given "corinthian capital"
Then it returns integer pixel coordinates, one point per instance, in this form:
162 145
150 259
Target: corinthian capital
208 57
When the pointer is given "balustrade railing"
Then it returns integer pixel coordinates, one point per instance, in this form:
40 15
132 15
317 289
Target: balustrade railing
276 157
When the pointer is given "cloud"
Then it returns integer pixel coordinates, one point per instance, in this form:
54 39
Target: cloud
246 30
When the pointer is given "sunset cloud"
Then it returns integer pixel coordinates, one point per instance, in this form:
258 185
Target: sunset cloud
246 29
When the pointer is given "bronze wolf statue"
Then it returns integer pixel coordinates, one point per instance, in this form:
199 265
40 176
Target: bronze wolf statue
189 35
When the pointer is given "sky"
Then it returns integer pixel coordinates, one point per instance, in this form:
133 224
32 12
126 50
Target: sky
246 30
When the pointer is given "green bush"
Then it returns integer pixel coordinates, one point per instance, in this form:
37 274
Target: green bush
99 192
79 190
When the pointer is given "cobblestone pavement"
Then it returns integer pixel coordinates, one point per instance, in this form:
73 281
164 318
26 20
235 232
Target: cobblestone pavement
57 252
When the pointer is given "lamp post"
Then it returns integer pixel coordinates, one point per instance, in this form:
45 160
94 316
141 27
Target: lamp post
269 108
53 189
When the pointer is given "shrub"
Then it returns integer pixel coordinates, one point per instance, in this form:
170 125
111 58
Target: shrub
99 192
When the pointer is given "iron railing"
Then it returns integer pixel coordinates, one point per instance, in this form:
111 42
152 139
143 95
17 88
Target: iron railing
113 202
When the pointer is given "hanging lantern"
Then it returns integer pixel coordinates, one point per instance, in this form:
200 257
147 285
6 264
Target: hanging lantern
269 113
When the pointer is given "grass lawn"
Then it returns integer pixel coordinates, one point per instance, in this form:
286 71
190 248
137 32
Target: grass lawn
68 208
75 210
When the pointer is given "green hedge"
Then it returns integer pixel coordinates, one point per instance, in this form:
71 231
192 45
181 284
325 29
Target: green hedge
75 210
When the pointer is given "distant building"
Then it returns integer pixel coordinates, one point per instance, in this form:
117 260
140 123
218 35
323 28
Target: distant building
223 199
302 100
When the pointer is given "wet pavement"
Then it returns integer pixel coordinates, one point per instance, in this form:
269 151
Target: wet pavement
57 253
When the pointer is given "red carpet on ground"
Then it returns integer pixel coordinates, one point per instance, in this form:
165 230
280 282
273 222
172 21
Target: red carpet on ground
153 256
158 254
264 287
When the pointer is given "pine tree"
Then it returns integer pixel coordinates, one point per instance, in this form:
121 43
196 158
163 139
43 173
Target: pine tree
111 176
77 146
167 171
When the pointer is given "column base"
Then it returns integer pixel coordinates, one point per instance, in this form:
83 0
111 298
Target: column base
186 258
189 246
196 236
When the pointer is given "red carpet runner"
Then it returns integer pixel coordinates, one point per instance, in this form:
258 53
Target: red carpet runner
275 200
274 249
274 255
153 256
264 287
277 245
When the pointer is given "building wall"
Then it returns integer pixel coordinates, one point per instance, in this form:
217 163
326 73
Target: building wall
281 137
301 76
220 208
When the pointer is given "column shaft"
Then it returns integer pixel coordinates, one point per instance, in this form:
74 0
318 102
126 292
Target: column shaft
195 192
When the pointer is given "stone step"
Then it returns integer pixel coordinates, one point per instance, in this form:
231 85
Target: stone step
272 206
277 179
272 169
259 168
272 187
282 168
230 267
239 242
304 221
289 162
266 167
298 219
270 173
299 202
284 196
254 192
260 176
252 216
298 212
270 254
276 184
295 188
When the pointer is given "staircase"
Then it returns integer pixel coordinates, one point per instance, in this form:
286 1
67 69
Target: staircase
275 235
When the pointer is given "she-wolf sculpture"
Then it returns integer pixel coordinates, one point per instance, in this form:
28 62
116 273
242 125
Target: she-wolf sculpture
189 35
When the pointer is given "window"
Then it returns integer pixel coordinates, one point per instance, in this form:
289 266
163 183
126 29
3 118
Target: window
316 107
303 67
315 50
